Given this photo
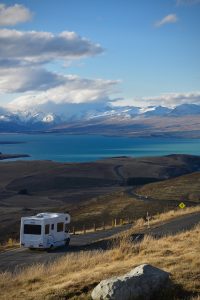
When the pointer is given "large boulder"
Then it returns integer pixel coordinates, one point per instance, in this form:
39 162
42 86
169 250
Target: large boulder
140 283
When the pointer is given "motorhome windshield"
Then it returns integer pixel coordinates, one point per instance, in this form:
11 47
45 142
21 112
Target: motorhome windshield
32 229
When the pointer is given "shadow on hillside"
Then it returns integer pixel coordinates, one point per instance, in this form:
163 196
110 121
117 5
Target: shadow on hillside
170 292
99 245
173 291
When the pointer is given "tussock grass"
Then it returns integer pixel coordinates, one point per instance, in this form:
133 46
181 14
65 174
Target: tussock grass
128 209
74 275
161 218
182 188
10 244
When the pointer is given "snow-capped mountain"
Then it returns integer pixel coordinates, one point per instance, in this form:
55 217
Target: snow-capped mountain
29 117
186 109
37 120
147 112
155 111
27 121
35 117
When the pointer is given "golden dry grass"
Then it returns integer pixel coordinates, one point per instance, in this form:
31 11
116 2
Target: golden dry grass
121 206
10 244
185 187
161 218
74 275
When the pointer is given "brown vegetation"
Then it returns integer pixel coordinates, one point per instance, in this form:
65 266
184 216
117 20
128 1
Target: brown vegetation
166 216
29 187
183 188
74 275
10 244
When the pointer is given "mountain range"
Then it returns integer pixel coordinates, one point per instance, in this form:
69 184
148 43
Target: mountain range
182 120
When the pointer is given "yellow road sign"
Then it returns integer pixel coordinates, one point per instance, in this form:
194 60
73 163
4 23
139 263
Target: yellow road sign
182 205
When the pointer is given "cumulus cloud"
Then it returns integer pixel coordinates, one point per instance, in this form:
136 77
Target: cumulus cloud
74 90
23 56
12 15
33 47
174 99
22 60
172 18
18 80
168 100
187 2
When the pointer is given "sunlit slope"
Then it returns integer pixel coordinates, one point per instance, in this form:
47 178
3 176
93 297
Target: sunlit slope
186 187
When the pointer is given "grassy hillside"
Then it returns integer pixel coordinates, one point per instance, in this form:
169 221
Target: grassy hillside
186 187
115 206
73 277
92 192
97 210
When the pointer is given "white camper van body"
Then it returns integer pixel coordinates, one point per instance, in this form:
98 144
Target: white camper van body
45 230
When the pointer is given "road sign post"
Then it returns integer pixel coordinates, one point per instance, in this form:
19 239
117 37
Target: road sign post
148 219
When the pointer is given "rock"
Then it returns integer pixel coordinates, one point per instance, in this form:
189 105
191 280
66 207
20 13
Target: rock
140 283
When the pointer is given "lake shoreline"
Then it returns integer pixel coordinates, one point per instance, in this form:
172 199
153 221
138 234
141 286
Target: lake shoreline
86 148
4 156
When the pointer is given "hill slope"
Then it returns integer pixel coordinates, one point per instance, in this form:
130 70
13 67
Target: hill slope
75 275
92 192
182 188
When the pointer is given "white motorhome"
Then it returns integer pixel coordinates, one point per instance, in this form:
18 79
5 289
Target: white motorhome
45 230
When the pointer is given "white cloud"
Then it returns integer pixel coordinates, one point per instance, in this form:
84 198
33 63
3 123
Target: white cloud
168 100
33 47
172 18
12 15
23 55
187 2
74 90
23 79
174 99
22 59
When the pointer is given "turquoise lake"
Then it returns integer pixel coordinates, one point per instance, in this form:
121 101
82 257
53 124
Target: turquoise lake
82 148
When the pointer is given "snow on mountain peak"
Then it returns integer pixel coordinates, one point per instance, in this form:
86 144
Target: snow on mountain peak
143 110
33 119
48 118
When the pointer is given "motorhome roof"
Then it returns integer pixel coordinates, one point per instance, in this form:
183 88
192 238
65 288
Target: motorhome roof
45 215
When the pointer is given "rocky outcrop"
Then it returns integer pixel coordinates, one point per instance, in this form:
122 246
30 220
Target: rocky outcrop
140 283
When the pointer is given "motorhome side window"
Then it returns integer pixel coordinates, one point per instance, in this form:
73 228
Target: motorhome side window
60 227
47 229
52 226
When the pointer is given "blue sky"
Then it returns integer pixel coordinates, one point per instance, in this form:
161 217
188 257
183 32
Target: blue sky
152 47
